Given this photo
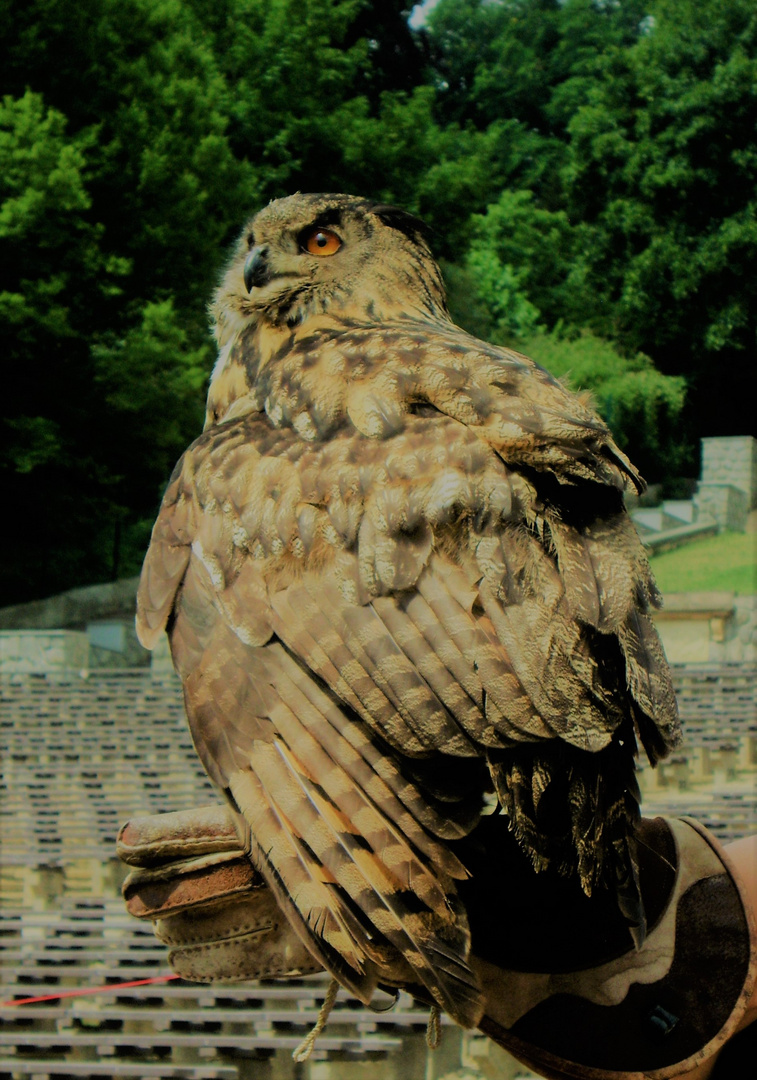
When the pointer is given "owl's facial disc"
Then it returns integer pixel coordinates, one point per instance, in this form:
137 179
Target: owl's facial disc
259 270
283 272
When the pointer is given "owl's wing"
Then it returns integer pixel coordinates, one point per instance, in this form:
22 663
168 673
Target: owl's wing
373 378
562 466
350 845
562 478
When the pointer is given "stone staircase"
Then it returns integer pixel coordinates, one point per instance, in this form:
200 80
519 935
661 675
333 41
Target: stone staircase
673 522
724 496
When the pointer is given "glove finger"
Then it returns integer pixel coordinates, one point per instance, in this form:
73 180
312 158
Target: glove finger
193 883
159 838
246 938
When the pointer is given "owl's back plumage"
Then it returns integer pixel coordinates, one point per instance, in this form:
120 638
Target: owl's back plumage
397 574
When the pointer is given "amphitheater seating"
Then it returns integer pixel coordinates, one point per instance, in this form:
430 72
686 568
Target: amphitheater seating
712 775
717 703
44 1069
92 944
81 755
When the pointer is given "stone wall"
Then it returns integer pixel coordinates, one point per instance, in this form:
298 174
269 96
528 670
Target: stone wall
104 612
43 650
72 610
708 627
727 505
731 460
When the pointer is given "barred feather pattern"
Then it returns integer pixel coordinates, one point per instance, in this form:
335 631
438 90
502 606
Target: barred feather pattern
397 574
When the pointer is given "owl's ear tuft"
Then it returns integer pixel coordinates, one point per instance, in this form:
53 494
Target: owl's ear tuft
397 218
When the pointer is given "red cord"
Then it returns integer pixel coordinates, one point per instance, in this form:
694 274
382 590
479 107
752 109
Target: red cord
89 990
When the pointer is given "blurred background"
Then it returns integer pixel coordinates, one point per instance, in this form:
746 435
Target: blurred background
589 171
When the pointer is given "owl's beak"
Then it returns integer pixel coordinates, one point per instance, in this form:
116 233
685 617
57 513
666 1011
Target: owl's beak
256 268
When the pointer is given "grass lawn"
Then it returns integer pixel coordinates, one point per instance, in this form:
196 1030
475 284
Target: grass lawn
728 561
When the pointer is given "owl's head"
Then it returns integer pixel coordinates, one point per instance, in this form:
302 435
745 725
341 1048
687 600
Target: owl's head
310 255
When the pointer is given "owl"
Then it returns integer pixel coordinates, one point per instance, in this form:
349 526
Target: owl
402 591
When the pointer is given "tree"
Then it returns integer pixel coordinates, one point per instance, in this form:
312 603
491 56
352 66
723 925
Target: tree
152 382
636 121
124 203
51 264
662 175
535 243
585 165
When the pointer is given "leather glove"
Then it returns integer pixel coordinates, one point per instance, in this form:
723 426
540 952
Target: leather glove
567 993
191 878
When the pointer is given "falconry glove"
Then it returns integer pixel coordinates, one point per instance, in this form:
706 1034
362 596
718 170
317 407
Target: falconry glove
567 993
191 878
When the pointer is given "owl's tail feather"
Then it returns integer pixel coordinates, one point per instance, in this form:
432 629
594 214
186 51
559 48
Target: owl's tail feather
361 922
602 795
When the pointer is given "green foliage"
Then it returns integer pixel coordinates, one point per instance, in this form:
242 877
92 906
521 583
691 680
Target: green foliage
530 248
662 175
153 381
499 289
140 79
727 562
41 170
401 154
494 57
43 200
49 251
641 406
585 165
106 213
302 77
30 441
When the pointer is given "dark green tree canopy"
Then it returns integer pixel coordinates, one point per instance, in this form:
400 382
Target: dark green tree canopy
588 167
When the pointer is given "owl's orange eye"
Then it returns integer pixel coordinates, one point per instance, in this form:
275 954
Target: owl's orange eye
321 242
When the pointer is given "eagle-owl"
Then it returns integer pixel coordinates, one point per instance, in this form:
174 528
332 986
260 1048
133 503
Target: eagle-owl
399 583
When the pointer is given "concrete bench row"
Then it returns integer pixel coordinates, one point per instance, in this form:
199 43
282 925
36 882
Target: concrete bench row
83 755
74 769
86 945
105 1044
46 1069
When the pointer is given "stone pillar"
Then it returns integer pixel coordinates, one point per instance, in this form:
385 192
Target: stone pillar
724 503
731 460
